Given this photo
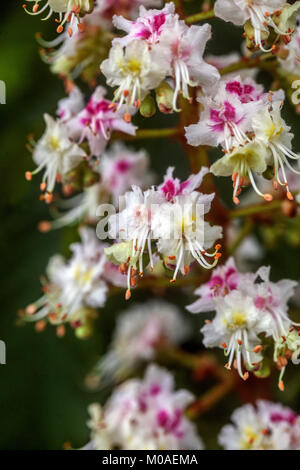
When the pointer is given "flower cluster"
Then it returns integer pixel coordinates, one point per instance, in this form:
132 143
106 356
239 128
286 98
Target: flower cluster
266 426
248 125
168 219
144 414
251 311
80 133
140 332
73 289
158 46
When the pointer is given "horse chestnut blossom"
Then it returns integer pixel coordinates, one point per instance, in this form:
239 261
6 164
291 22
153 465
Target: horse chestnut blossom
67 12
135 70
262 15
263 426
247 123
246 305
236 327
176 225
73 289
96 121
55 153
145 414
139 334
177 49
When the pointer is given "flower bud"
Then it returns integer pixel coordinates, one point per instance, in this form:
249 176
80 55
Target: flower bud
164 98
148 108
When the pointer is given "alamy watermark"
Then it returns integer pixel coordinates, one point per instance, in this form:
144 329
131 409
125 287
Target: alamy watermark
2 92
175 222
296 94
2 352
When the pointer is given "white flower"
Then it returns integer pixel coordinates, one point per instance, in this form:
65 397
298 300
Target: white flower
259 12
149 25
139 332
75 285
236 327
267 426
146 414
182 233
272 132
226 117
55 153
133 224
135 71
188 67
96 121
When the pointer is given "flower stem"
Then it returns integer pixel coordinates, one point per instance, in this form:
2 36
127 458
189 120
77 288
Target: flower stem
149 134
247 63
206 15
255 209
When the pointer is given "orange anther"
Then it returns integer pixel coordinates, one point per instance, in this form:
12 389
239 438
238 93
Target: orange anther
224 345
128 294
44 226
59 29
28 175
218 256
268 197
239 342
186 270
290 196
236 200
246 375
257 348
218 247
43 186
30 309
127 117
60 331
281 385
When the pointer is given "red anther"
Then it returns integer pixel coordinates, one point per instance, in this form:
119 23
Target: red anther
224 345
172 257
267 14
126 93
239 342
151 269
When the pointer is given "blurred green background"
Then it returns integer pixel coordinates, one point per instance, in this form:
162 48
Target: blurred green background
42 398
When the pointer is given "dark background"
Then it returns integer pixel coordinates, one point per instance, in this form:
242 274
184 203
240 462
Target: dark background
42 397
